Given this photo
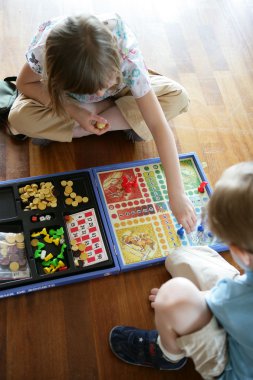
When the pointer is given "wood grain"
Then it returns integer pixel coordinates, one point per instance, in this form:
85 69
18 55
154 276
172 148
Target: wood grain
62 333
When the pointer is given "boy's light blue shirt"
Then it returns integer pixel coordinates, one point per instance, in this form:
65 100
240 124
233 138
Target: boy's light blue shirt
231 301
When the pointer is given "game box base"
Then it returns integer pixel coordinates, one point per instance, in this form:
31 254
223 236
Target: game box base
69 227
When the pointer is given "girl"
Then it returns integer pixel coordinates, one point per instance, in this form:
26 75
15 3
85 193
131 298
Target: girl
86 75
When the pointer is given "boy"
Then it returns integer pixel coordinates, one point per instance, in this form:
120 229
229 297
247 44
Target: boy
213 327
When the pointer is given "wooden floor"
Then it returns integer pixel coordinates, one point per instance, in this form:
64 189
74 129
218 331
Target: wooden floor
62 333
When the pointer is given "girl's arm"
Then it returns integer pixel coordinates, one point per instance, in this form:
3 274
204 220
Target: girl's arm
30 84
155 119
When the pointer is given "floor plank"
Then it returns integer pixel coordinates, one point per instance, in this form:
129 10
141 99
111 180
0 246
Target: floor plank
62 333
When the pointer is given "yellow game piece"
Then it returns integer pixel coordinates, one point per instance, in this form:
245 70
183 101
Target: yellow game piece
20 244
48 257
48 239
61 264
70 183
100 125
35 234
68 189
42 206
78 199
63 183
85 199
10 238
84 256
81 247
44 231
68 201
74 203
56 241
34 242
14 266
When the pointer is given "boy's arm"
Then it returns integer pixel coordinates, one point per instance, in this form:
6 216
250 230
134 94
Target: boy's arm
30 84
155 119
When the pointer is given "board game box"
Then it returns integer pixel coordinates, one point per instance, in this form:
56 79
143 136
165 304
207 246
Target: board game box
74 226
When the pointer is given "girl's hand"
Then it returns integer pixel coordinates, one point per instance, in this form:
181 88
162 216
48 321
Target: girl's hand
184 212
94 124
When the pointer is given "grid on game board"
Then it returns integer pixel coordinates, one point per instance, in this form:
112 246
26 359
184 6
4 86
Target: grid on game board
85 238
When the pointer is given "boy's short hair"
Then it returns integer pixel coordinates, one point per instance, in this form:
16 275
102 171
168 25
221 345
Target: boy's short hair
230 209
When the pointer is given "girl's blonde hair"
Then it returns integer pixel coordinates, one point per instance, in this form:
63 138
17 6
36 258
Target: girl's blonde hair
230 209
81 57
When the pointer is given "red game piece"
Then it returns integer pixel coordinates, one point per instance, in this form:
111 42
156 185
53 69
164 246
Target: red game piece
202 186
127 188
135 183
34 218
124 181
127 185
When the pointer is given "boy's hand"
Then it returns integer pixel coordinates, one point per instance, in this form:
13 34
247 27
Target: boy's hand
184 212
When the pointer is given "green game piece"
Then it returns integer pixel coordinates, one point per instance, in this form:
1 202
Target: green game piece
55 262
63 247
60 231
37 253
40 245
46 263
60 256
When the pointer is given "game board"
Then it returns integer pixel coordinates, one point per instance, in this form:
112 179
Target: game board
68 227
143 227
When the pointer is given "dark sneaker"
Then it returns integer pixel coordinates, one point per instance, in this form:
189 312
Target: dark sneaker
41 142
139 347
132 135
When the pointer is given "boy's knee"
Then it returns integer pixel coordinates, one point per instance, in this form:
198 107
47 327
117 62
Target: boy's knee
176 291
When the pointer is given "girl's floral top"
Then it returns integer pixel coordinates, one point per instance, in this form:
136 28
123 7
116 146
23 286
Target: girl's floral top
134 72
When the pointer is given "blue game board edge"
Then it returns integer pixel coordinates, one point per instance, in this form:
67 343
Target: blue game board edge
71 279
44 176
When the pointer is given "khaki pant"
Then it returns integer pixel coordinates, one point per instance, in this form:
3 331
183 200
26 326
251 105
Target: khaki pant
31 118
204 267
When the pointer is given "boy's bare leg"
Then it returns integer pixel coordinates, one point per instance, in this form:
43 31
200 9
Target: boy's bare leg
180 309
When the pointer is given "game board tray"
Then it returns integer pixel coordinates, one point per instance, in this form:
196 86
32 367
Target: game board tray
74 226
53 233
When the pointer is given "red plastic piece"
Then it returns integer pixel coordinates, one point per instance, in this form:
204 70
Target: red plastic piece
202 186
127 185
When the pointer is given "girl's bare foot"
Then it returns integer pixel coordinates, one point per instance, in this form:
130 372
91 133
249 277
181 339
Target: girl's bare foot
152 296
